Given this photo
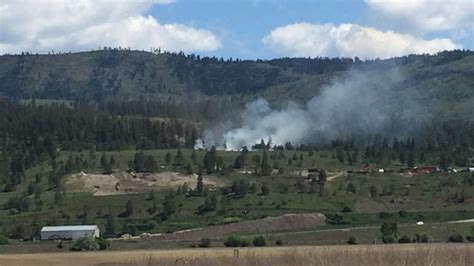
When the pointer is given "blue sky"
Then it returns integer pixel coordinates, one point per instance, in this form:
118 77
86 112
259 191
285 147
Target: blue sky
241 24
240 28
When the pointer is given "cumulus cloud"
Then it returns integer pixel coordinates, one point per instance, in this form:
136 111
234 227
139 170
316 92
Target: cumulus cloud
348 40
40 26
424 15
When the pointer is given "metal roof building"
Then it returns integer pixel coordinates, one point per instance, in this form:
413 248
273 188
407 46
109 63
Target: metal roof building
69 232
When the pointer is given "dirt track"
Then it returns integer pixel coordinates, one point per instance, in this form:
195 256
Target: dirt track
404 254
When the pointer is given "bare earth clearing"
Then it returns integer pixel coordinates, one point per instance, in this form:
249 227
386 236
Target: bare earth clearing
123 182
287 222
405 254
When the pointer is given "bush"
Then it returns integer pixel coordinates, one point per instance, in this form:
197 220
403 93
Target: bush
3 240
352 240
245 243
404 239
421 238
346 209
204 243
388 239
103 243
456 238
85 243
259 241
232 241
279 242
470 238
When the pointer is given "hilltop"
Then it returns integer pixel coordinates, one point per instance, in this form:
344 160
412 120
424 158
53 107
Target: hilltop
111 74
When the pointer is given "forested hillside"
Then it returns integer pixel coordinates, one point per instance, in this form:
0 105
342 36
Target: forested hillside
111 74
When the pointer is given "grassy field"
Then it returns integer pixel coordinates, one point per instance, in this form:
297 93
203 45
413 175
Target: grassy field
405 199
431 254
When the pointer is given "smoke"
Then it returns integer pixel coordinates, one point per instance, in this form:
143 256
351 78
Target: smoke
359 103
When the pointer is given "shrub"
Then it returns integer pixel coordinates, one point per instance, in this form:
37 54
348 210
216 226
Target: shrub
389 228
388 239
403 214
103 243
232 241
245 243
3 240
85 243
279 242
259 241
346 209
456 238
352 240
204 243
421 238
404 239
470 238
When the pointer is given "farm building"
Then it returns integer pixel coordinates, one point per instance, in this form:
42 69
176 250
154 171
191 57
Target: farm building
69 232
425 169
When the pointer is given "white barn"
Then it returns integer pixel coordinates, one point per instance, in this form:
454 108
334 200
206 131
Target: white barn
69 232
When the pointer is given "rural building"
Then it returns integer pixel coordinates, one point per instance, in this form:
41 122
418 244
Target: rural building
69 232
425 170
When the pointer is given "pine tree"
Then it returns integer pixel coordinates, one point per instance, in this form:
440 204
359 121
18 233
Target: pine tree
193 156
129 208
179 159
110 225
150 164
266 168
168 158
265 189
199 186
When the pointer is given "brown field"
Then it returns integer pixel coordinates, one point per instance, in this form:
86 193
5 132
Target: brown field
406 254
287 222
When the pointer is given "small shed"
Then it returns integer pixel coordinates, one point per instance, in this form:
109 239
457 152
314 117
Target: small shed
69 232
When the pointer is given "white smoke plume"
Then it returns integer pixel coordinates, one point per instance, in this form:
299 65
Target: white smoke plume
358 103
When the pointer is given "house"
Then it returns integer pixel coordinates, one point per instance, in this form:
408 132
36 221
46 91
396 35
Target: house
425 170
69 232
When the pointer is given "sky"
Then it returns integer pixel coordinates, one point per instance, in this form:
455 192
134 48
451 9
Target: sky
247 29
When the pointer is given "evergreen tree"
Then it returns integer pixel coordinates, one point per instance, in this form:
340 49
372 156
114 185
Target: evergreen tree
210 160
265 189
179 159
103 160
411 160
193 156
151 165
110 225
199 186
168 158
266 168
129 208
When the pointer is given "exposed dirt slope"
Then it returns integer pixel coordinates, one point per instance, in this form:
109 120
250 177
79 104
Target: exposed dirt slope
123 182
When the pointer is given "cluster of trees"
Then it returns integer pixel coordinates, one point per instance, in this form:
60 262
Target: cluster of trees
443 143
143 163
32 133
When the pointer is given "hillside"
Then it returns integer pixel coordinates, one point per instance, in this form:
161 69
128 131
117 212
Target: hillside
448 78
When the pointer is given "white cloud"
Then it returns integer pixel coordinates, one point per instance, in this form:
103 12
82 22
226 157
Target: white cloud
348 40
425 15
40 26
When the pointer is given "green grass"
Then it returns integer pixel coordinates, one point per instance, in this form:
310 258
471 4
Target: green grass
424 197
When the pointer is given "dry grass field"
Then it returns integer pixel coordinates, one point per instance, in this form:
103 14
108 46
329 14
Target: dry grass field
407 254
